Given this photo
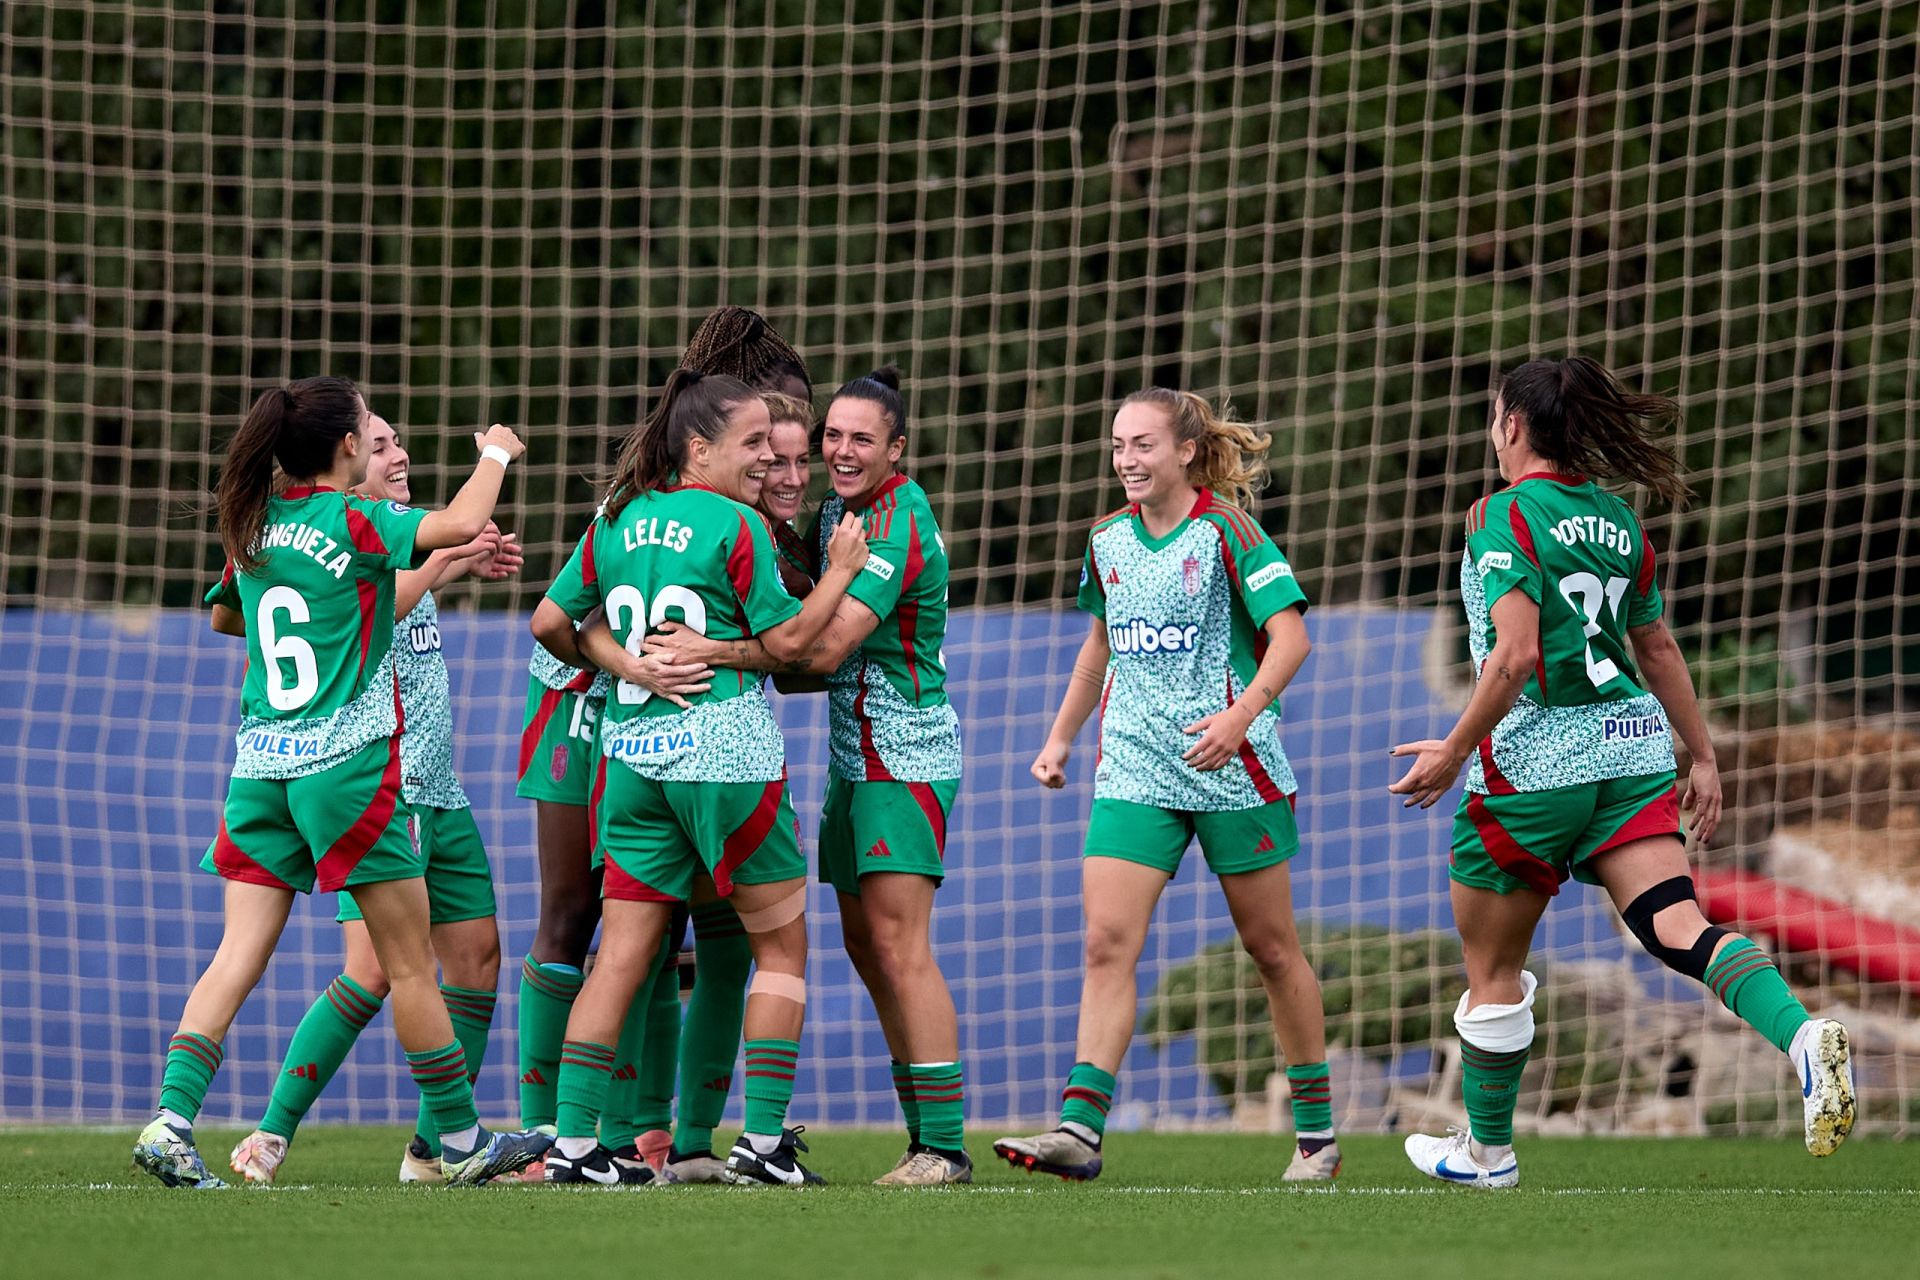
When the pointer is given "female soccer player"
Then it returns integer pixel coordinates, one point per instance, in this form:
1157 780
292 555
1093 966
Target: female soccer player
1197 629
895 752
1570 755
315 794
705 785
558 749
466 938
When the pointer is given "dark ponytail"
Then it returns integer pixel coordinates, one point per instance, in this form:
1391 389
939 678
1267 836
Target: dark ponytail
881 387
1583 421
300 426
691 404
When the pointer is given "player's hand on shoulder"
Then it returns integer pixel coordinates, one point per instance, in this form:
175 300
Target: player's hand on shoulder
1049 768
499 437
847 548
1432 776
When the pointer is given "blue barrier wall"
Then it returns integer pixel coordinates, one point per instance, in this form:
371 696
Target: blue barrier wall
118 733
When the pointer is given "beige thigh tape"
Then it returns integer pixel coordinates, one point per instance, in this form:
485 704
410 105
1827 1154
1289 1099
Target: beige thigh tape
783 912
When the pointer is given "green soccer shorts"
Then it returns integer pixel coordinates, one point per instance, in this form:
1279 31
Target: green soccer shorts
652 834
1233 841
559 745
344 825
459 881
1535 839
867 827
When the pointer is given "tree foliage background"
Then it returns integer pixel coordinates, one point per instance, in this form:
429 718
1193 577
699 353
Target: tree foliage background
1344 216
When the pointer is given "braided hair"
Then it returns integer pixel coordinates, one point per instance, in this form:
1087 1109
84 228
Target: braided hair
739 343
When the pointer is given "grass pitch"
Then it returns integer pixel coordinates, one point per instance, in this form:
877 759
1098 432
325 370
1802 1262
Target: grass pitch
1172 1205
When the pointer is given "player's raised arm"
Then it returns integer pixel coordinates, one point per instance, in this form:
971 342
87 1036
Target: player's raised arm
466 517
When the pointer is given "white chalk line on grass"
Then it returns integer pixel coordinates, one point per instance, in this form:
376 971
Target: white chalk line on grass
1830 1192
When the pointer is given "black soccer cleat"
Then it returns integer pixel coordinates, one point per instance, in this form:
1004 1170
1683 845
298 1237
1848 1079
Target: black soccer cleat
748 1168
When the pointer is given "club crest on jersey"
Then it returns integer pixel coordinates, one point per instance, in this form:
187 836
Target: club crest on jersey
1137 635
1190 575
557 763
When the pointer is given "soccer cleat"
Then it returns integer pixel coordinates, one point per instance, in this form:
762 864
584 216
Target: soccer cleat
258 1157
1450 1159
1824 1061
536 1173
928 1168
497 1154
598 1168
1062 1154
1322 1166
170 1156
633 1169
420 1164
748 1168
655 1145
906 1157
699 1167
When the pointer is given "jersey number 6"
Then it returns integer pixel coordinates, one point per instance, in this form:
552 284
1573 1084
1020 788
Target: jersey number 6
276 649
627 607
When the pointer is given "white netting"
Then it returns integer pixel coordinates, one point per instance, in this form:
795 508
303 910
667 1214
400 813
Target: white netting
1345 216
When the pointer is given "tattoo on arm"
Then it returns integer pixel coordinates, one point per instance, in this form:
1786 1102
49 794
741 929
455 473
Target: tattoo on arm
1506 673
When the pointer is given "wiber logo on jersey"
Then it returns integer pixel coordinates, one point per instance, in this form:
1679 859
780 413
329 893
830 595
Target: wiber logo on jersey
674 742
1272 573
1624 728
1190 575
1493 560
1137 635
424 637
268 743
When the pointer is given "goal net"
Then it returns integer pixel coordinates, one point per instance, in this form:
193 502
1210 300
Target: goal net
1343 217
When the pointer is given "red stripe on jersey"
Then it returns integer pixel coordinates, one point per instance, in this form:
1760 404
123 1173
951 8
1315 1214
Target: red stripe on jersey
1226 553
1507 852
929 803
1262 781
908 611
366 538
1521 533
1100 747
233 864
1644 583
740 567
876 767
1496 781
594 795
749 835
1109 518
588 573
1661 817
880 491
345 855
536 726
1555 476
369 601
622 887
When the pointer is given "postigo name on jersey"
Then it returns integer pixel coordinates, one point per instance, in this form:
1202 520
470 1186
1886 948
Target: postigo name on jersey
673 743
1137 635
655 532
268 743
424 637
308 541
1627 728
1594 529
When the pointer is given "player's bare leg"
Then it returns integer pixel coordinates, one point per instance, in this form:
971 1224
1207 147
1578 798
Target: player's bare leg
858 938
768 1150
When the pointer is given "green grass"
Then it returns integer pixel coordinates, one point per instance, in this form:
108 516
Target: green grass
1170 1205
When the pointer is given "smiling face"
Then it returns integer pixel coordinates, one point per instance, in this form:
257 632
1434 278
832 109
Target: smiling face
855 446
1506 431
792 468
387 464
736 461
1150 462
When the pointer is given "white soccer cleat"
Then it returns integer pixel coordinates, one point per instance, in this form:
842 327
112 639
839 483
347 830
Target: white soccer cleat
169 1155
258 1157
700 1167
1322 1166
925 1168
1824 1061
1450 1159
1058 1152
420 1165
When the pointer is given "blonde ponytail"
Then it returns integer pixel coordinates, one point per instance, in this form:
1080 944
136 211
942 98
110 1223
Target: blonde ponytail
1229 457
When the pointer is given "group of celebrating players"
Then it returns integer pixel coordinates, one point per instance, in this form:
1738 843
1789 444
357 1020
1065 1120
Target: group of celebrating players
652 755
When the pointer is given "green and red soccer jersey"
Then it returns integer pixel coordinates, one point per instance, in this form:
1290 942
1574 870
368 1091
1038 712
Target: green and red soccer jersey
1186 615
691 556
320 678
888 715
1579 553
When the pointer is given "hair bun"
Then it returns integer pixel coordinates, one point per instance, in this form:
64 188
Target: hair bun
887 376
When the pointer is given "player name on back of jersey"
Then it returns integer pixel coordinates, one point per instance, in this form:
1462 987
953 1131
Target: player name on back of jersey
1594 529
652 531
307 541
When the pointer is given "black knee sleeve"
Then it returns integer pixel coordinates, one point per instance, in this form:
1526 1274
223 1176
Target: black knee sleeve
1690 960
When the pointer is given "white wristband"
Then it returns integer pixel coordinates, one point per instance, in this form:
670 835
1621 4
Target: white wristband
498 454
